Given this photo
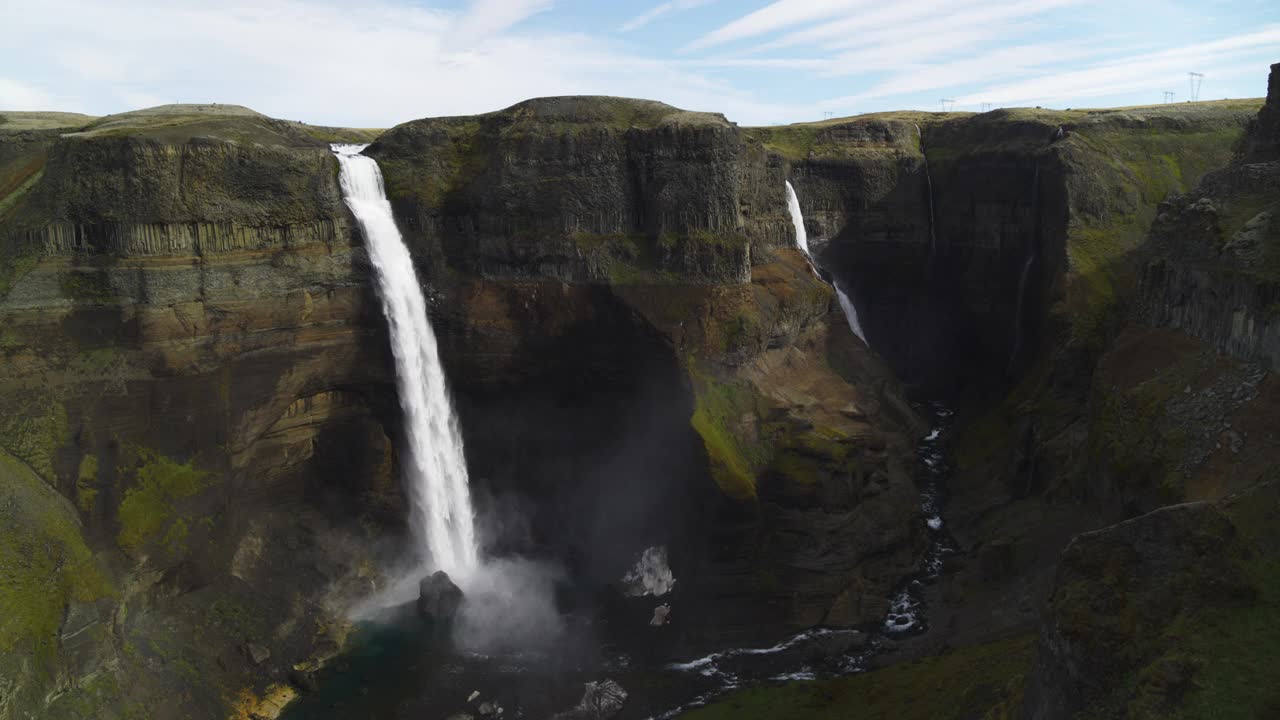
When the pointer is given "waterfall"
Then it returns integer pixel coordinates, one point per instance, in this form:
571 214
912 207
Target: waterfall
928 180
1026 272
850 314
1017 315
434 467
797 219
802 242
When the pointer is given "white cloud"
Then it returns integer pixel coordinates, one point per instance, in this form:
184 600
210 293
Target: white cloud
779 15
658 11
16 95
1148 72
322 63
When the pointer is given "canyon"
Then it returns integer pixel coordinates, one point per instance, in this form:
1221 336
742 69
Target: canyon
201 438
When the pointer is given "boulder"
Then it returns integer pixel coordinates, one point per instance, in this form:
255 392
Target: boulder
256 653
438 597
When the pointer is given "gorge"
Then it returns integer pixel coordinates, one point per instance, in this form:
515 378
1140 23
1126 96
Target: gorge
256 372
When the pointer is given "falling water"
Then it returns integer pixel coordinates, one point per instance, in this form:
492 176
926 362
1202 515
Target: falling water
797 218
851 314
1026 272
928 179
1017 317
435 469
802 241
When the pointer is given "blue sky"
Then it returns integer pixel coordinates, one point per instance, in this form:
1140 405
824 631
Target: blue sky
375 64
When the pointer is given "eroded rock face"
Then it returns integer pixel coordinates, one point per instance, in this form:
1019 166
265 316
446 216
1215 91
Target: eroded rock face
1263 143
1210 262
956 236
194 360
1116 592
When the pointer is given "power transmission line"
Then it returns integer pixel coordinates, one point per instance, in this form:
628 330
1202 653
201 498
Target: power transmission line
986 107
1196 79
947 104
827 114
1168 97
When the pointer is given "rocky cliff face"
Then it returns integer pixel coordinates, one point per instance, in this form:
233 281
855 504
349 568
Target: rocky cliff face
634 262
957 235
1212 260
195 363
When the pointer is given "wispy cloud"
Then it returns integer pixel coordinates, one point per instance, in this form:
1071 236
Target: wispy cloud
658 11
15 95
319 62
1151 71
781 14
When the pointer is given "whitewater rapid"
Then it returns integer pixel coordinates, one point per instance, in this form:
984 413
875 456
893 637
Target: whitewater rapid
434 466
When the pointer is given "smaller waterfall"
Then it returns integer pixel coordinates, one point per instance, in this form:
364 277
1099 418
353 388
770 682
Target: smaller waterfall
1026 273
1017 315
928 180
797 219
802 242
851 314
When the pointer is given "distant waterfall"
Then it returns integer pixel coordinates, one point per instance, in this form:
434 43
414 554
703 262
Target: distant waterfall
802 241
928 179
1026 273
850 314
435 469
1017 315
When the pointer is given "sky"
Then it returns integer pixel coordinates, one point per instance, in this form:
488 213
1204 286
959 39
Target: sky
760 62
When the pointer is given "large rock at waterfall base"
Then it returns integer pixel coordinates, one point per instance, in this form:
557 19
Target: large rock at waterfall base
438 597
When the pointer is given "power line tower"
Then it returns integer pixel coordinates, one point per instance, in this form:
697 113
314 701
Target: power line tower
827 114
1196 79
947 104
986 107
1168 97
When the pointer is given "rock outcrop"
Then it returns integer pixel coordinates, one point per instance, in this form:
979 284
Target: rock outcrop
1118 598
982 237
1211 263
192 358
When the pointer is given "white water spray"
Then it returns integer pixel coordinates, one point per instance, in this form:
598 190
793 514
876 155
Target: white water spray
435 469
802 241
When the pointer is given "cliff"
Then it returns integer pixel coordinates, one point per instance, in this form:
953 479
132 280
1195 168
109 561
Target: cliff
195 362
564 236
978 237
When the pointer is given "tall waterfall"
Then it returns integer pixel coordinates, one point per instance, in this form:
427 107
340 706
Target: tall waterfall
435 469
802 241
797 219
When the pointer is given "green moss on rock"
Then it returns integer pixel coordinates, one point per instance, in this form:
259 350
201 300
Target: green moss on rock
44 565
33 429
720 411
149 509
87 484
